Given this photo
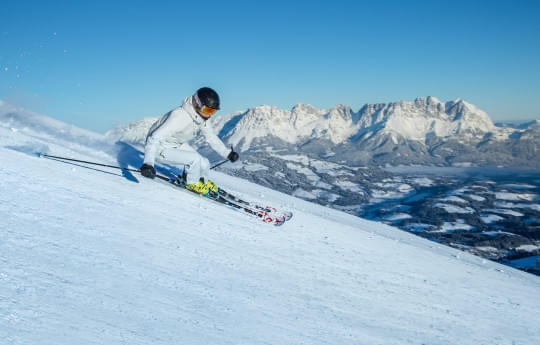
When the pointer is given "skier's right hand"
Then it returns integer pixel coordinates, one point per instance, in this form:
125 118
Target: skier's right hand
148 171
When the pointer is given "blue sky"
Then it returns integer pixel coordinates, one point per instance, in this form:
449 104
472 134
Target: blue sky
98 64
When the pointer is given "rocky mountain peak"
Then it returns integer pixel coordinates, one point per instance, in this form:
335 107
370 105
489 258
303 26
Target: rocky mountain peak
430 105
469 117
340 111
303 108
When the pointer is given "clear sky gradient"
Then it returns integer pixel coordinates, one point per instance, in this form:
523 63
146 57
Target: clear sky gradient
98 64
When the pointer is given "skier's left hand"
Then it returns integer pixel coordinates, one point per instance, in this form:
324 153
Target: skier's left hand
233 156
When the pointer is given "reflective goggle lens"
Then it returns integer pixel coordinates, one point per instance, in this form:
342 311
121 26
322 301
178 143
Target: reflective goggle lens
207 110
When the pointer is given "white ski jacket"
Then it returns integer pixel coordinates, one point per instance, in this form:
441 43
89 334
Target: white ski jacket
178 127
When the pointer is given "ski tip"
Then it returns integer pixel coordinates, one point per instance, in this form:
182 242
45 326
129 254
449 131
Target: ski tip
288 216
279 221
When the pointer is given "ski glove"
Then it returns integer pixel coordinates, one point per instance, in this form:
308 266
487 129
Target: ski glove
148 171
233 156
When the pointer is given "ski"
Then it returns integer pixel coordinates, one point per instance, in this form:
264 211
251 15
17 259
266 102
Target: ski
287 215
266 216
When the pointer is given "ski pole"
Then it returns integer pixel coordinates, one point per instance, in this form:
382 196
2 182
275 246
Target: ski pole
223 162
220 163
87 162
98 164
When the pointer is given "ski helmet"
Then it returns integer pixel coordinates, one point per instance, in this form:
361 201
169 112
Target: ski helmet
208 97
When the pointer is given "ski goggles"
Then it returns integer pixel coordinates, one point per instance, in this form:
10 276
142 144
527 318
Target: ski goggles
207 111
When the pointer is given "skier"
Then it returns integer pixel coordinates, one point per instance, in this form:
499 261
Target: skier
167 140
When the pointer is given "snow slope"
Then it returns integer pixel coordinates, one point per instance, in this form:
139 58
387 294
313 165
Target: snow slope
91 256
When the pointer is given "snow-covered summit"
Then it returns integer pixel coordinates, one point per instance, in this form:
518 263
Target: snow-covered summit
302 121
134 132
262 121
417 120
20 119
425 117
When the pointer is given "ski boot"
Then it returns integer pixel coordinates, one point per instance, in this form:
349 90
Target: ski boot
206 188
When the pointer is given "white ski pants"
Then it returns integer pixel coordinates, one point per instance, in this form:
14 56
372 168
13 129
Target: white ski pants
196 166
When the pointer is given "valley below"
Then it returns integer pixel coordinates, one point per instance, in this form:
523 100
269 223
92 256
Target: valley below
490 212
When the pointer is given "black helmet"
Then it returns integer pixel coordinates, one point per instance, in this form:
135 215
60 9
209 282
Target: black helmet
208 97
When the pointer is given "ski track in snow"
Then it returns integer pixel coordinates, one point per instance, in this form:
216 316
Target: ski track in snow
88 257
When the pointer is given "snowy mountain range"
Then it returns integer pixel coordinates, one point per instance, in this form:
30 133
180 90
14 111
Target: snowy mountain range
425 131
92 256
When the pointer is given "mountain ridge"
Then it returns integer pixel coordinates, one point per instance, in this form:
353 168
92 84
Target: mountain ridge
423 131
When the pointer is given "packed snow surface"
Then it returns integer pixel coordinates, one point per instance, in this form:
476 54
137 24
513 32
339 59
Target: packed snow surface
94 256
